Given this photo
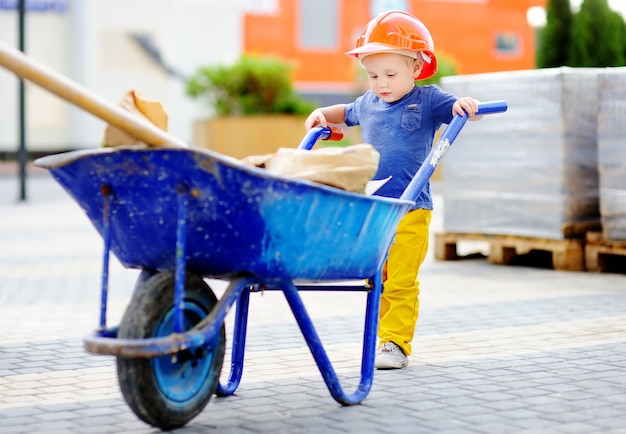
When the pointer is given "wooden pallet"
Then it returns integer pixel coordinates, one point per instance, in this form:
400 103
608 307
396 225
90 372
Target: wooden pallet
604 255
566 254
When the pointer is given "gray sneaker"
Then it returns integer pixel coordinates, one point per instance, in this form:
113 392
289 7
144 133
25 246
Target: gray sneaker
390 356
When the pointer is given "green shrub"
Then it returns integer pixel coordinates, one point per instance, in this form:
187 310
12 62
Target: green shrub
253 85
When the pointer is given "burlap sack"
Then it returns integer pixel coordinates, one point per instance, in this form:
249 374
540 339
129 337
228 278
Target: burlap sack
136 104
349 168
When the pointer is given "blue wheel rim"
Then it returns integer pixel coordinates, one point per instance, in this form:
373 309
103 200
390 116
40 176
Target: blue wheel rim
181 376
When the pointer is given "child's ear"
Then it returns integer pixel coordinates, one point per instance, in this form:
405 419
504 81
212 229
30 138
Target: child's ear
418 64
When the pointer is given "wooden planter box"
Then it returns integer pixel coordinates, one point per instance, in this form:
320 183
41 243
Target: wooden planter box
242 136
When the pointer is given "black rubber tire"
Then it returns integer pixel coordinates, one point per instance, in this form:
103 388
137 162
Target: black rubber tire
168 391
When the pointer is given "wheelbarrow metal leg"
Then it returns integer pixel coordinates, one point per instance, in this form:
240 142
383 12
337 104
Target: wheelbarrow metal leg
239 345
371 326
319 354
181 266
106 237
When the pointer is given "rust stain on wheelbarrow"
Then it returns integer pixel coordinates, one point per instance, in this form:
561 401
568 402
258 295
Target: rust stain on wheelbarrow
137 347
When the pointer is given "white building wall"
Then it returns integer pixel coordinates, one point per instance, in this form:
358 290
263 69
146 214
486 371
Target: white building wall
91 42
46 115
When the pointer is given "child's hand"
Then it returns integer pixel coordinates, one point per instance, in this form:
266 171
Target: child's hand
466 106
316 118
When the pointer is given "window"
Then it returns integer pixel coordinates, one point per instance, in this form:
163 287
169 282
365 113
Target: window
507 43
319 24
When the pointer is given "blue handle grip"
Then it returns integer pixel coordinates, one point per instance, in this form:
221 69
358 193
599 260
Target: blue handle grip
487 108
437 152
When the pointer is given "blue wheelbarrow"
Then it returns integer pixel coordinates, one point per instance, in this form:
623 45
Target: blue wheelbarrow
182 215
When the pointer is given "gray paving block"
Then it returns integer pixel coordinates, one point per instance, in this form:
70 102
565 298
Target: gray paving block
497 349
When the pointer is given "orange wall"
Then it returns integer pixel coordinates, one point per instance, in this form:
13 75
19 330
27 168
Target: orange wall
463 30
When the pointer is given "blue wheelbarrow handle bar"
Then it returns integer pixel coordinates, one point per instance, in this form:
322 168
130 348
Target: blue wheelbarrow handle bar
437 152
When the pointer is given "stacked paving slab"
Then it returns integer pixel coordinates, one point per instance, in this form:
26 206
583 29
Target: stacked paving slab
532 171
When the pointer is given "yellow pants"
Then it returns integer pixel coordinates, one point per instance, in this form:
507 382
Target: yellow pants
399 305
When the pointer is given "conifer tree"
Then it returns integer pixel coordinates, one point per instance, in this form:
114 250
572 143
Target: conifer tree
554 38
597 36
621 35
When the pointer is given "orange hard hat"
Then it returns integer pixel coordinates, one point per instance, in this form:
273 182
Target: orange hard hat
398 32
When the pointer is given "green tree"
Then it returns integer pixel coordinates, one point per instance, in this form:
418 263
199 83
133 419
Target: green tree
597 36
554 38
621 34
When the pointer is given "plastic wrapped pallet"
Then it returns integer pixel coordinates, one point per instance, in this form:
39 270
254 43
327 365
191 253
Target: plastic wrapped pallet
531 171
612 152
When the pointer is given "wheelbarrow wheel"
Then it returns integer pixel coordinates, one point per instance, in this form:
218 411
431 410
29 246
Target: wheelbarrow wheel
168 391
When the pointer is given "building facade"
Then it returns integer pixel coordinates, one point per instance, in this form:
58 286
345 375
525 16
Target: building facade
478 35
111 46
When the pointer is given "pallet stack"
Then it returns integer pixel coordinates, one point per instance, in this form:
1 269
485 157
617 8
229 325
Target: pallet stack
529 180
602 247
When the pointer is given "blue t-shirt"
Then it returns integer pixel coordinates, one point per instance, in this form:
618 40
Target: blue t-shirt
403 133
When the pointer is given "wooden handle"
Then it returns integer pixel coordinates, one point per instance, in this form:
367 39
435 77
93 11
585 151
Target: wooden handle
60 85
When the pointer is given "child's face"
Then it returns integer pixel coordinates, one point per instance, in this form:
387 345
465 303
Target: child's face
390 75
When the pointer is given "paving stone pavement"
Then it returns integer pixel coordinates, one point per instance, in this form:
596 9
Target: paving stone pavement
497 349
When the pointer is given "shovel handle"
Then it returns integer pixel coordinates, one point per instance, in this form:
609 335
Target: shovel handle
27 68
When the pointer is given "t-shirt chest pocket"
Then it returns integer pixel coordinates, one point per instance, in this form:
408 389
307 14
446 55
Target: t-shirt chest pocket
411 117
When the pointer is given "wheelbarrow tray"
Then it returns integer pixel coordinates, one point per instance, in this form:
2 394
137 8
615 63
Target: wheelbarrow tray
238 218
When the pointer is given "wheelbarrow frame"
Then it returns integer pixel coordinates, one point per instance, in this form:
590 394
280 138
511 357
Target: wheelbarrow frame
104 340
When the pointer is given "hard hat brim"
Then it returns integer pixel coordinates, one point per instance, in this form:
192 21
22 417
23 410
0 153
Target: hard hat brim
430 61
370 48
374 48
